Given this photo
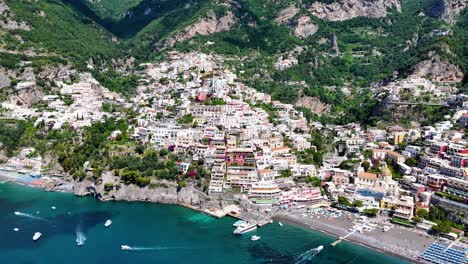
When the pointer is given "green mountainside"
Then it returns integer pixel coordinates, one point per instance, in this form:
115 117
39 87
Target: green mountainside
355 53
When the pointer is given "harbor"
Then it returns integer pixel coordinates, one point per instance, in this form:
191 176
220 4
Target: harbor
153 233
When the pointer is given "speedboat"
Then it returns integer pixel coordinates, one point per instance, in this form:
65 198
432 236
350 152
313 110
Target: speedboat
238 223
108 223
80 238
319 248
244 228
255 238
36 236
125 247
280 224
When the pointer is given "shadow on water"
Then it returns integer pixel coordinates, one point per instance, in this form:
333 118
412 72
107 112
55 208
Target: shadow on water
49 227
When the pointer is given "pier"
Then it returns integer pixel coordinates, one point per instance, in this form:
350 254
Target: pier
342 238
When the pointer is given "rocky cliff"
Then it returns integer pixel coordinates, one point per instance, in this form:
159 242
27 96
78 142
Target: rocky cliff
7 22
452 9
346 9
207 25
438 69
169 195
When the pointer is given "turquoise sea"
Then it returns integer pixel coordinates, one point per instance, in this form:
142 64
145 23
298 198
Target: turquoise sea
157 233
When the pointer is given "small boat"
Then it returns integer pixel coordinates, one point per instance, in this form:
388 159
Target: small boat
280 224
238 223
125 247
80 238
53 207
16 229
319 248
108 223
255 238
36 236
244 228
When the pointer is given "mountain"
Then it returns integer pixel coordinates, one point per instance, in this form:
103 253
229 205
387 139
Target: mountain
330 50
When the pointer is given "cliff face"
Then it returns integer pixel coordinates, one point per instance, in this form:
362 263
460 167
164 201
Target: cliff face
304 27
438 69
452 9
347 9
7 22
208 25
169 195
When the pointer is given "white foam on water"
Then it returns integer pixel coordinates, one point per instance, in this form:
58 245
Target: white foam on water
308 255
149 248
29 216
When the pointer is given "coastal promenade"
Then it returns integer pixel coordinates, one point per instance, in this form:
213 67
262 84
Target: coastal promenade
398 241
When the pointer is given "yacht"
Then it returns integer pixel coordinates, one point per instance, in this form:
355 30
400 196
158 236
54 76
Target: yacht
244 228
108 223
125 247
255 238
36 236
238 223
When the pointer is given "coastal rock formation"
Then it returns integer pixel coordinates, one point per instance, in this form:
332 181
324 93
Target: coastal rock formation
169 195
208 25
346 9
438 69
314 104
304 27
286 15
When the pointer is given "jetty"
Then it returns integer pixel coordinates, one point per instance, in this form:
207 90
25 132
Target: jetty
334 243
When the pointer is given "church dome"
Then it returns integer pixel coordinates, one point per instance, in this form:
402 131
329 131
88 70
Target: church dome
385 171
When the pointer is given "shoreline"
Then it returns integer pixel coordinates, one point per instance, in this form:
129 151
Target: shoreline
293 221
282 217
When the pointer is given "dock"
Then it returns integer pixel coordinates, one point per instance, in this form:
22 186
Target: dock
334 243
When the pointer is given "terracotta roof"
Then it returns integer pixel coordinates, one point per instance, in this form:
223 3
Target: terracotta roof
368 175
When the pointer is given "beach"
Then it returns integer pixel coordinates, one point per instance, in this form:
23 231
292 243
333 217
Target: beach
157 234
397 241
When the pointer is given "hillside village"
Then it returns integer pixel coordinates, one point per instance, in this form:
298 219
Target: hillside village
266 151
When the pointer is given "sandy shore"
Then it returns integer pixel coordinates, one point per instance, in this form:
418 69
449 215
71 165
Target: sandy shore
398 241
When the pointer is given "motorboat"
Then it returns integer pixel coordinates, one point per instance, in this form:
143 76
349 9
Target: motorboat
238 223
36 236
280 224
244 228
125 247
80 238
319 248
255 238
16 229
108 223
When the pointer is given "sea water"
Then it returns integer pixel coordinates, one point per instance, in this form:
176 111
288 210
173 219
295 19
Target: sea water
155 233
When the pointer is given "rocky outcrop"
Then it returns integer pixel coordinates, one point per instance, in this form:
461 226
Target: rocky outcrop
304 27
334 43
170 195
438 69
314 104
452 9
286 15
7 22
208 25
346 9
